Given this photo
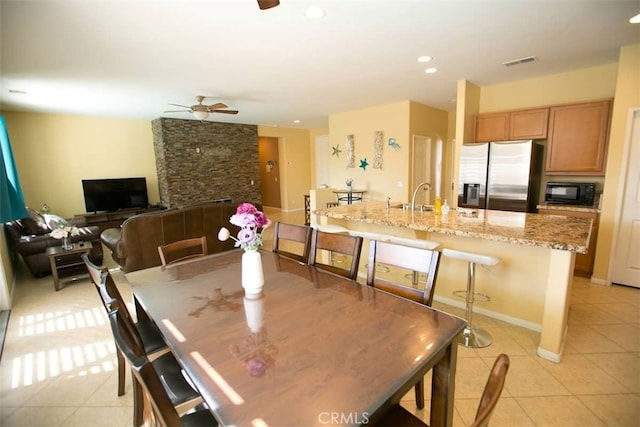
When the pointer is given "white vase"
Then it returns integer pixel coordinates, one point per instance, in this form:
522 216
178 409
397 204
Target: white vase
252 276
254 312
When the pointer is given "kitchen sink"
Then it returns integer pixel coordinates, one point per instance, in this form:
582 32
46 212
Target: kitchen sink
407 207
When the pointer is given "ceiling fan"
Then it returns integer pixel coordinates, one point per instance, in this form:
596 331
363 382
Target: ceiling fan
201 111
268 4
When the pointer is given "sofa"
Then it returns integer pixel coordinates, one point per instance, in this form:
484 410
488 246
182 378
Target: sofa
29 237
134 246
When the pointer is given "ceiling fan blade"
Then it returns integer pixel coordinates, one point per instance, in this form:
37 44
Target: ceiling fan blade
268 4
216 106
183 106
177 111
226 111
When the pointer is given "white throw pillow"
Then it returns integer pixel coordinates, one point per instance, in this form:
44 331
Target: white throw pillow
54 221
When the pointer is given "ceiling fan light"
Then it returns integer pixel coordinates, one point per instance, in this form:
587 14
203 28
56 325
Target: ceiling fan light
200 115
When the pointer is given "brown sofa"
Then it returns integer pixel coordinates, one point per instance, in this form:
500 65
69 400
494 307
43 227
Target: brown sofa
134 246
30 238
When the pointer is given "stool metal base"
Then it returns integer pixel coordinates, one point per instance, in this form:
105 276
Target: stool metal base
475 337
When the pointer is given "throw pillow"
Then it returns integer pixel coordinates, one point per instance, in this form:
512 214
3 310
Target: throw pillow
34 223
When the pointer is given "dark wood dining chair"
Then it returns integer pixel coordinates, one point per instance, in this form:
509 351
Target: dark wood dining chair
399 416
148 339
349 246
415 259
293 236
155 379
183 250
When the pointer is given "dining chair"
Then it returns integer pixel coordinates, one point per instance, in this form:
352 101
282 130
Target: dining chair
415 259
148 339
344 244
294 237
159 381
399 416
183 250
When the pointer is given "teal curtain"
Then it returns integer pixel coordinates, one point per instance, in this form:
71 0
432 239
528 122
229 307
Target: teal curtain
11 199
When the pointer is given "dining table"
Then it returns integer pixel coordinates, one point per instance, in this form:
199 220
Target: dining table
313 348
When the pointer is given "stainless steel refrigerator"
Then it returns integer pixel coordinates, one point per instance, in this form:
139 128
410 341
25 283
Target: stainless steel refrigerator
500 175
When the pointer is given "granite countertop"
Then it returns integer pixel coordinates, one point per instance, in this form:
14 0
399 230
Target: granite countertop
570 208
548 231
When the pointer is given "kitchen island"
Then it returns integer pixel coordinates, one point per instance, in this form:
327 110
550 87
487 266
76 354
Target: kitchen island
531 284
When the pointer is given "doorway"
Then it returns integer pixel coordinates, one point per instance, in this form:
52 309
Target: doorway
625 264
268 156
421 168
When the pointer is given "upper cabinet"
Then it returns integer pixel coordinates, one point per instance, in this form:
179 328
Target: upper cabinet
577 143
512 125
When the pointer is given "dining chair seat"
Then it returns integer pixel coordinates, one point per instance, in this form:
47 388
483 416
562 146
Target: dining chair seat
167 387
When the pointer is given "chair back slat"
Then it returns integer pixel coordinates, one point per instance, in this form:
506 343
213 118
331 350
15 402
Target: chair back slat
343 244
492 391
411 258
182 250
291 235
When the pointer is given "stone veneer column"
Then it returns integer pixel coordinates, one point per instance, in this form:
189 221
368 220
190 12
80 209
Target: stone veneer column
204 161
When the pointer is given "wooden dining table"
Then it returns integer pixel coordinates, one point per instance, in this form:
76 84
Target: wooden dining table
312 349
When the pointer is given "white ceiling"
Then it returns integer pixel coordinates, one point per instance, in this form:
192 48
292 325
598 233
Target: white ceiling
131 59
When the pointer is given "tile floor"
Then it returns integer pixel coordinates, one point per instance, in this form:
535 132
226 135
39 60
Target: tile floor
58 364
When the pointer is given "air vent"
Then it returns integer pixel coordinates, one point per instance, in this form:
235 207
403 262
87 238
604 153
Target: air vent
519 61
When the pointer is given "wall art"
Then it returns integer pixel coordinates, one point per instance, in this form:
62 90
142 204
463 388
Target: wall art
336 151
378 147
351 155
364 164
393 144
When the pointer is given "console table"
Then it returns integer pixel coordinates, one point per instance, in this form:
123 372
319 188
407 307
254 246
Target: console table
114 219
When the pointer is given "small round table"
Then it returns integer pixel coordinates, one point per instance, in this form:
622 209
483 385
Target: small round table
349 196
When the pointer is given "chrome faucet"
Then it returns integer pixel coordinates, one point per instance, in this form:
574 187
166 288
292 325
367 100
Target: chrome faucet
415 192
388 203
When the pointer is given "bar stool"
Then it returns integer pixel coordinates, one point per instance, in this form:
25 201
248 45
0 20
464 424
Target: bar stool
472 336
414 243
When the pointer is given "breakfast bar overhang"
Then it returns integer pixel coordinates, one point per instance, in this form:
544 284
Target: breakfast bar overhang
530 287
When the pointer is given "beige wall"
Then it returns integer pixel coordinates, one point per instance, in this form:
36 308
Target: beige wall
627 96
400 121
313 133
54 153
295 178
576 86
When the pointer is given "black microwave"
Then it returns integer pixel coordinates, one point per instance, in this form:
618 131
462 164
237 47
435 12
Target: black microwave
570 193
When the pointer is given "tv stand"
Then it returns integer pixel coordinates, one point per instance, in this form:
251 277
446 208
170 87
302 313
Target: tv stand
114 219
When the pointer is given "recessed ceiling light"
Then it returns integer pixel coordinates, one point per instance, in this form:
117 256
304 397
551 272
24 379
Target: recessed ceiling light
296 121
18 91
424 58
314 12
635 19
431 70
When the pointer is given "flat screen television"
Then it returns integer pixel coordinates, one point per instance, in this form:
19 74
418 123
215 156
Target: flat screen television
114 194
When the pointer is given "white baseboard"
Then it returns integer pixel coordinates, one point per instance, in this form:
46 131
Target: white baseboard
493 314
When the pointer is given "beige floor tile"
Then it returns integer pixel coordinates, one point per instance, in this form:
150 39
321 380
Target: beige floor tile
38 416
585 339
115 416
527 377
625 335
503 342
507 413
615 410
471 377
528 339
558 411
580 375
623 367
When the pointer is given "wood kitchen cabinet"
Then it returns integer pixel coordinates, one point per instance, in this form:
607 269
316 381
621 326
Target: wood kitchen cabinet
577 143
584 262
512 125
